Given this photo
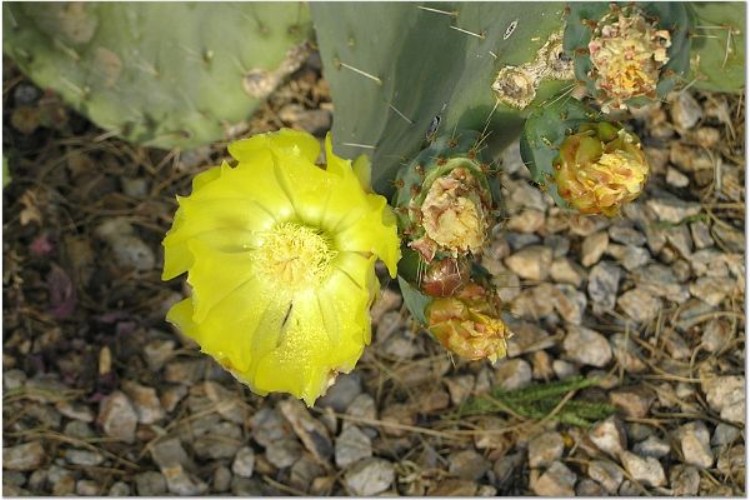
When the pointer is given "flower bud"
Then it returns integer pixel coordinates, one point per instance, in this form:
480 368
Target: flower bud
468 323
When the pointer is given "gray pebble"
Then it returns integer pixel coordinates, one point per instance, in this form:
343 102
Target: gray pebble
563 270
83 457
701 235
634 401
352 445
639 305
467 464
676 178
627 353
716 335
120 489
75 410
369 477
603 283
284 452
512 374
24 457
145 401
150 484
158 352
545 449
587 347
223 441
725 434
684 480
589 488
531 263
268 426
606 473
244 462
13 379
712 290
78 429
685 110
673 210
342 393
169 452
726 395
87 488
222 479
652 446
593 248
180 482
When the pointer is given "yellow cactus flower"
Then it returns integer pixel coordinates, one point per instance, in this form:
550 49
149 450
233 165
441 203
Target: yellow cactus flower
280 255
600 168
468 324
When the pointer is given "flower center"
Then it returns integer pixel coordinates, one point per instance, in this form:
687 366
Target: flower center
295 256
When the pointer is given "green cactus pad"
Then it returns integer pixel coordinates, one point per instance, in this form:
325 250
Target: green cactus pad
394 67
167 74
543 134
718 46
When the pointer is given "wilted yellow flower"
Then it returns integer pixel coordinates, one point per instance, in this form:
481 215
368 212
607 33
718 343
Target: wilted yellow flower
280 255
627 53
600 168
468 324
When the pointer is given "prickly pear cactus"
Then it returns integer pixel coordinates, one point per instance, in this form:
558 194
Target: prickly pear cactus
400 71
717 57
167 74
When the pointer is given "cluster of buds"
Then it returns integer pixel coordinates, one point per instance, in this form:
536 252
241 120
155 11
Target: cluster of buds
599 168
627 53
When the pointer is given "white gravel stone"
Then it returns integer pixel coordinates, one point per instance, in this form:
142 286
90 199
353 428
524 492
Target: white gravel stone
557 481
118 418
725 434
369 477
587 346
545 449
512 374
180 482
593 248
609 436
712 290
727 396
673 210
563 270
695 444
647 471
531 263
145 401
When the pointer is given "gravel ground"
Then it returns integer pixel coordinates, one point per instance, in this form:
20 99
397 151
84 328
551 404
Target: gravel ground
101 397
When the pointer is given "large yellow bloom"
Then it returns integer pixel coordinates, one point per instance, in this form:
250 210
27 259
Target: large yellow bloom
280 255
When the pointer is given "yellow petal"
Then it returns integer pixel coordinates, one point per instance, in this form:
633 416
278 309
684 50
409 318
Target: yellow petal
290 142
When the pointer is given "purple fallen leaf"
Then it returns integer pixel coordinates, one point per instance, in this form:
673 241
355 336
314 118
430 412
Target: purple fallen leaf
41 246
62 293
